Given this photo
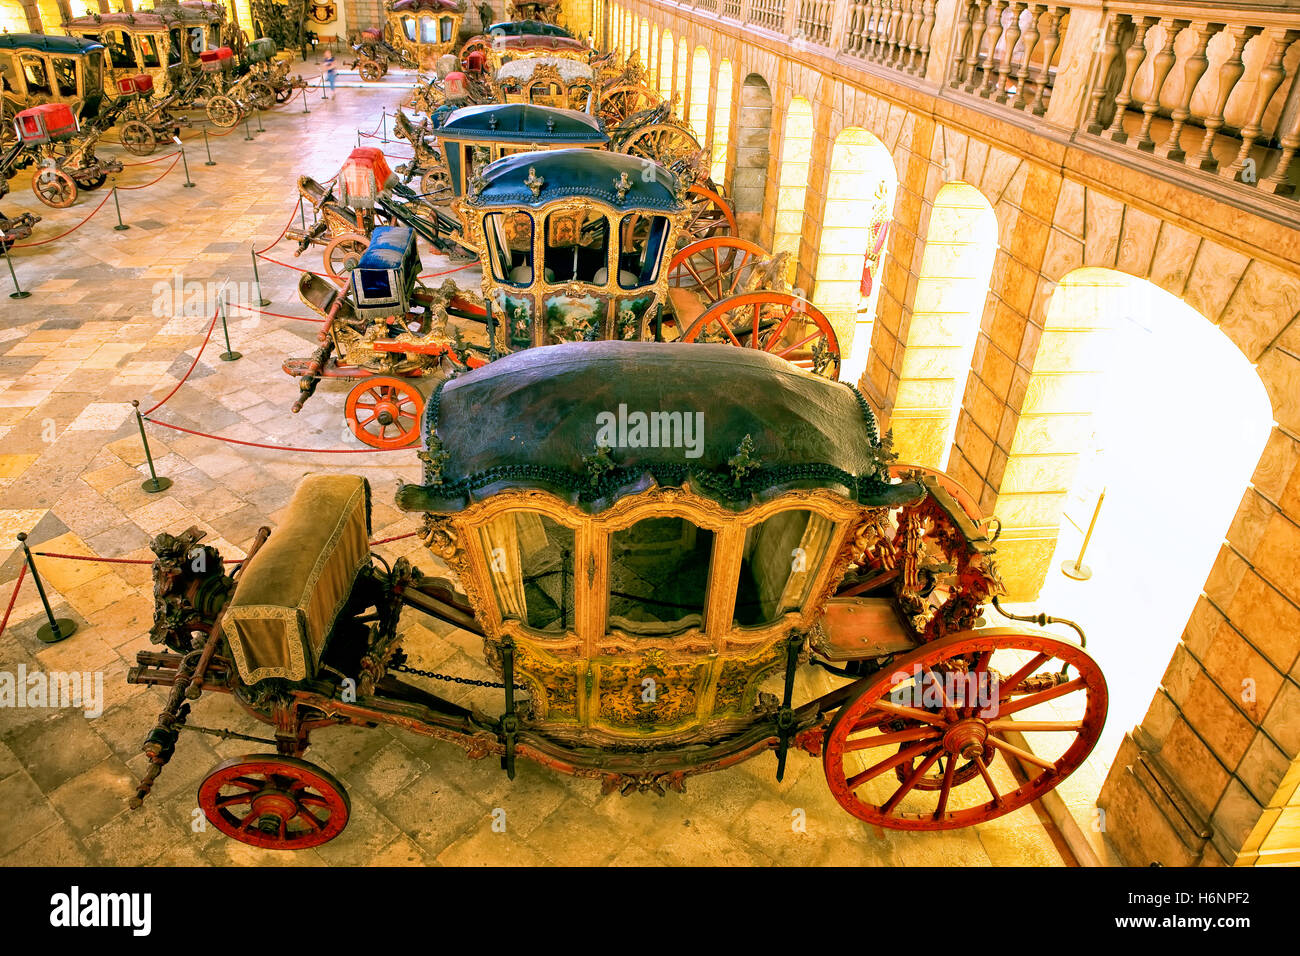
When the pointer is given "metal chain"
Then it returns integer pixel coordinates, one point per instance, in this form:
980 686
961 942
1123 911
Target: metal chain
407 669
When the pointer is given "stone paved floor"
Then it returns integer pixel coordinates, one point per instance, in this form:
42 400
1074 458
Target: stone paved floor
100 329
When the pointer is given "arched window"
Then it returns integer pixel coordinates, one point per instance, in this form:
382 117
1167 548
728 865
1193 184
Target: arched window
722 122
679 85
854 243
666 65
792 187
954 282
700 85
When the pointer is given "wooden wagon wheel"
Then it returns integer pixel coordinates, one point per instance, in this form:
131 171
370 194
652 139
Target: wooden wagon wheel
222 111
137 138
370 70
710 215
619 102
664 143
90 185
54 187
384 412
343 253
713 267
785 325
274 802
262 94
282 92
944 712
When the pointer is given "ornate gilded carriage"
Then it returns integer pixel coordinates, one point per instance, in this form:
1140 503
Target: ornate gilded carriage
548 81
651 540
424 30
36 70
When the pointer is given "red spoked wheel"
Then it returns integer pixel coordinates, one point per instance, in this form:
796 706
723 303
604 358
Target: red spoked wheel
274 802
917 748
371 71
710 215
620 102
54 187
715 267
342 253
785 325
384 412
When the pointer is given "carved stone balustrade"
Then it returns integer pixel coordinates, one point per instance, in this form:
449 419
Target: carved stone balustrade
1215 92
893 33
1007 51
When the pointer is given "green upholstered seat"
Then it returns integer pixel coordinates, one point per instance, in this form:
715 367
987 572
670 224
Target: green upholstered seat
292 590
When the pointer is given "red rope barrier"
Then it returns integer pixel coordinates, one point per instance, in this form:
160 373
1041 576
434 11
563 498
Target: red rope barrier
159 179
409 534
287 226
278 315
84 557
434 275
215 315
288 266
13 598
254 444
150 162
33 245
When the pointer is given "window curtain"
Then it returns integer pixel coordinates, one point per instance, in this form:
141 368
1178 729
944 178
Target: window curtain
501 547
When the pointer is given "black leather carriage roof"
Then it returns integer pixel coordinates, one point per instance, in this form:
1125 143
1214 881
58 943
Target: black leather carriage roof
47 44
522 123
578 172
532 420
528 28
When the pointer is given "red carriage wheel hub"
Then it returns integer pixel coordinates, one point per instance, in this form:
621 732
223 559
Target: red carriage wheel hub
274 802
385 412
966 738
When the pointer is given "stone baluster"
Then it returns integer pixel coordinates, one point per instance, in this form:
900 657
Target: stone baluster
1012 39
853 33
1163 63
994 34
978 26
1109 50
923 38
891 31
905 26
1030 41
870 12
959 46
1193 69
1277 181
1229 75
1241 169
1134 57
1051 40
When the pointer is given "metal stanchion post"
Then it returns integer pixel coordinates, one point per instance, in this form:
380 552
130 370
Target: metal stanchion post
58 628
118 206
248 133
262 301
322 88
185 164
304 100
302 214
229 355
208 147
1076 569
260 127
18 292
154 484
383 124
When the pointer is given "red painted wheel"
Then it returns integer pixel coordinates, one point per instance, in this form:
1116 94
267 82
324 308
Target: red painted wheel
710 215
777 322
274 802
715 267
384 412
917 748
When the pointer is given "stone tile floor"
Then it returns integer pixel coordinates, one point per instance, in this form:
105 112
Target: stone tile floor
106 325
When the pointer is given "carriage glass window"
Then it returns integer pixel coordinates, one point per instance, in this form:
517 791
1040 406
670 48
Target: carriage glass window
577 246
641 247
447 25
148 51
94 67
120 54
780 561
35 75
548 94
176 44
64 69
510 246
428 30
408 27
531 563
659 576
7 78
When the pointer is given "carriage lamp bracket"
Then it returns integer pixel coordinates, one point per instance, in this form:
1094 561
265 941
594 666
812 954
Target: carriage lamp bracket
1042 620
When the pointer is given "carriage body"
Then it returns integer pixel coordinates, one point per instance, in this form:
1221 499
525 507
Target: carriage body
167 42
424 30
573 244
36 70
548 81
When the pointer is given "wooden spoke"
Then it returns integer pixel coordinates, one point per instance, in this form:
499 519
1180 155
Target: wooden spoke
1024 755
